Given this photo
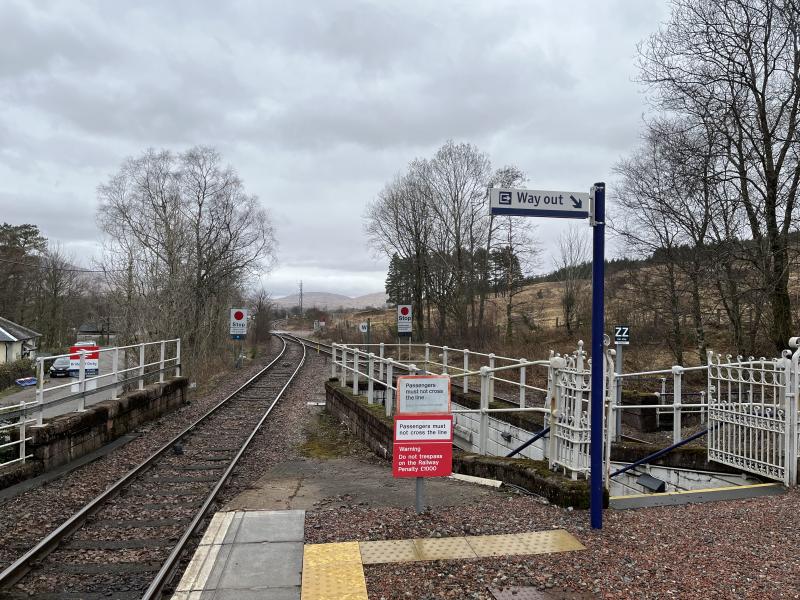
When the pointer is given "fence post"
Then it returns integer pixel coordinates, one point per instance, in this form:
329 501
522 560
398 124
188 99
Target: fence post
39 390
522 381
141 367
380 362
356 362
491 379
178 357
22 435
333 361
677 373
444 360
82 381
370 383
465 383
115 374
702 407
427 355
343 380
389 391
483 430
792 384
161 364
661 395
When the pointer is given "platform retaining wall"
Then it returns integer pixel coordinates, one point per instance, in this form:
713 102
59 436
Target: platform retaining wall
368 422
67 437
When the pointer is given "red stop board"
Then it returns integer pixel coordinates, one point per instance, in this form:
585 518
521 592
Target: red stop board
423 445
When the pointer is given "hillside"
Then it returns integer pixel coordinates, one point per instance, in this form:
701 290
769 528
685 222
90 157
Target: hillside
329 301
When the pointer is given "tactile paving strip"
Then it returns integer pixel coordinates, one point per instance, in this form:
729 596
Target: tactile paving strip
333 572
443 548
388 551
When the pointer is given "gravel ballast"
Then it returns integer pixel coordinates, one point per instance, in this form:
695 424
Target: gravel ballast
28 517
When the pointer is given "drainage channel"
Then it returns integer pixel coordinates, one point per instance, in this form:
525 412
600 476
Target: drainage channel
656 485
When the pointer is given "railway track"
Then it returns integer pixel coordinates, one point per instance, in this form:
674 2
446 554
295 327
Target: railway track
128 541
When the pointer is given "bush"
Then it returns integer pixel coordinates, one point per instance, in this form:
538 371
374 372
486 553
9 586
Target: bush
15 370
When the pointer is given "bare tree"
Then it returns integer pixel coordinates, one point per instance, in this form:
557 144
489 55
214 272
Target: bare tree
735 65
183 238
571 266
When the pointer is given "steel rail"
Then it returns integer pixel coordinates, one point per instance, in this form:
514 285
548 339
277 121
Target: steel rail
20 567
167 570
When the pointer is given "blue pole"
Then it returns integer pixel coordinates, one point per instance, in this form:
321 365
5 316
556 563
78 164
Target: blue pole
598 329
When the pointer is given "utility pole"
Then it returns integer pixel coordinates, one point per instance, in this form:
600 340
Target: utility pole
301 298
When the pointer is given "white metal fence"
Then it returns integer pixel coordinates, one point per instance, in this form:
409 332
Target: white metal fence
751 405
130 367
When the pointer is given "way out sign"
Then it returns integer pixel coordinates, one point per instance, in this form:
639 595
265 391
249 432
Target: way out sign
575 205
539 203
238 323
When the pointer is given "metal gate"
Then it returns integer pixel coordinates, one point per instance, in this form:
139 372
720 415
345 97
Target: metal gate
752 415
570 432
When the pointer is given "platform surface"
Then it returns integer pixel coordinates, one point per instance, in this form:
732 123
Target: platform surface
247 555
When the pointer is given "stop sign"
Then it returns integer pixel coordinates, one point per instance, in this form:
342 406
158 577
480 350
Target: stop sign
238 321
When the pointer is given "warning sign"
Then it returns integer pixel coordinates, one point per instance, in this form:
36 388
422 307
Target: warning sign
423 446
423 394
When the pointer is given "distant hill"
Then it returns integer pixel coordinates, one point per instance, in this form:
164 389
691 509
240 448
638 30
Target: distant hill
327 301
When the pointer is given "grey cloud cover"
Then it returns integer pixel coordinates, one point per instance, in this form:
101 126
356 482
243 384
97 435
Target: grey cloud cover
317 104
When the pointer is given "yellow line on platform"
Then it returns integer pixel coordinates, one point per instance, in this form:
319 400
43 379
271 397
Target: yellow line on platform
335 571
702 491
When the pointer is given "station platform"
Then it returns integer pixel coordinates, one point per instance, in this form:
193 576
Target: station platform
261 554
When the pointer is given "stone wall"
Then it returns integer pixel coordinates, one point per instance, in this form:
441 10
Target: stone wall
70 436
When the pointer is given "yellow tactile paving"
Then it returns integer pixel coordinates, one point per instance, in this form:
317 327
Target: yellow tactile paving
540 542
497 545
333 572
443 548
388 551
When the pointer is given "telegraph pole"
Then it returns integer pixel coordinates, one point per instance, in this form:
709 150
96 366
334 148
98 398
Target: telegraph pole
301 298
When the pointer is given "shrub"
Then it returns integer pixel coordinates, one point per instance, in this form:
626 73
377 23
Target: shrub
15 370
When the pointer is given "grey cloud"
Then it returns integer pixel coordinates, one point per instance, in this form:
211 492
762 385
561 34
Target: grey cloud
317 104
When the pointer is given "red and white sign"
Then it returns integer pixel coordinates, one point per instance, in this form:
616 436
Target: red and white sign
423 446
238 321
404 319
91 358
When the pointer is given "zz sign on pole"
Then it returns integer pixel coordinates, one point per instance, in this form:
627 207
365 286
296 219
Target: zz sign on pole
575 205
622 335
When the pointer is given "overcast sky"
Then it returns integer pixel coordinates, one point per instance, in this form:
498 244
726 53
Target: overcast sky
316 104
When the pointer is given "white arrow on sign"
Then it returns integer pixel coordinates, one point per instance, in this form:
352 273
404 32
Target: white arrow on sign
539 203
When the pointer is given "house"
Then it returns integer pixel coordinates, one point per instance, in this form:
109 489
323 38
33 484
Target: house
96 332
17 341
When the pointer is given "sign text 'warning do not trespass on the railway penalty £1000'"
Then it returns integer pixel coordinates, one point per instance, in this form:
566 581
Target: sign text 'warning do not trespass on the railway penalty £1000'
423 394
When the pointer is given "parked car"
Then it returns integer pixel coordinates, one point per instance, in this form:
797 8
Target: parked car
60 367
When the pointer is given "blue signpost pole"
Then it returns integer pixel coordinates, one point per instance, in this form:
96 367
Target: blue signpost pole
598 329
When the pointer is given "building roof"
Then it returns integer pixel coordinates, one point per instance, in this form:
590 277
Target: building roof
94 328
12 332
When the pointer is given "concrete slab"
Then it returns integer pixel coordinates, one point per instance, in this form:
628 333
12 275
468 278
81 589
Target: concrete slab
247 555
277 526
306 484
263 565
